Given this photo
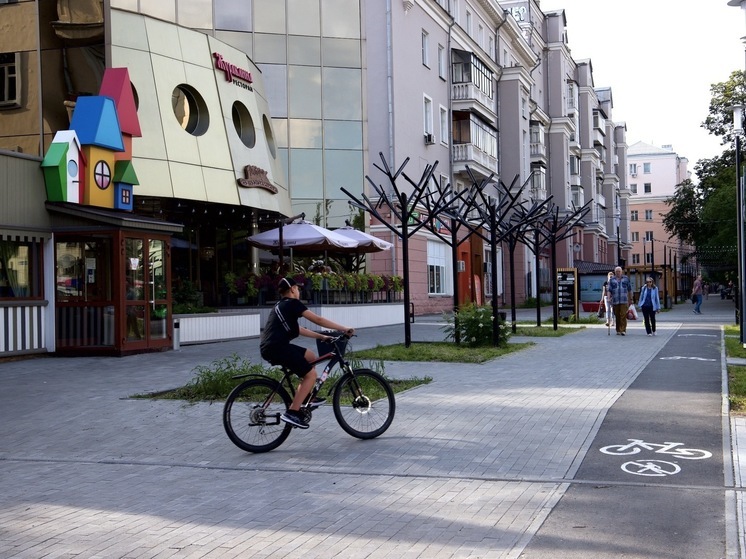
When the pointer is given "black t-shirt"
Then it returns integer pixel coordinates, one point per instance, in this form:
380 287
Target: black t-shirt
282 323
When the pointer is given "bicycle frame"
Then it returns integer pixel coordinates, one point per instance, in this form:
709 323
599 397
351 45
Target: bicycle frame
332 357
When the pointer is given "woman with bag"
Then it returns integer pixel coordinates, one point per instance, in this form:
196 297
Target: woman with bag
606 302
650 304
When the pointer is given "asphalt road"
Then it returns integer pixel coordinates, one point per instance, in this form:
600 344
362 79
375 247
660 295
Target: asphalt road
651 484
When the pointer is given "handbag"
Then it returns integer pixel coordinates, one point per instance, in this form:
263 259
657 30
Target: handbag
632 312
694 299
601 310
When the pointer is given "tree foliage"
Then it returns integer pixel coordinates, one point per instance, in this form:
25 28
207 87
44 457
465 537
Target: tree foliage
705 214
725 95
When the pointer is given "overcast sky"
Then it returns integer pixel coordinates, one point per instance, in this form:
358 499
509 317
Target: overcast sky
659 57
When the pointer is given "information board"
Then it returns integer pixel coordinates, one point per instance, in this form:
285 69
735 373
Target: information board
567 291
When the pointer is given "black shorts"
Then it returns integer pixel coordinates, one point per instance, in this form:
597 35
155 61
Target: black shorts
290 356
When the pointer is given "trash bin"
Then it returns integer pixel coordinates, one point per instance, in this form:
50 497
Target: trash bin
177 334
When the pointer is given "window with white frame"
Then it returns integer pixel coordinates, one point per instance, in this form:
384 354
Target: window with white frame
442 66
455 11
648 258
648 215
443 125
646 168
635 236
425 48
480 35
633 168
10 80
491 47
635 259
633 188
488 273
468 23
648 187
648 235
633 215
437 269
428 115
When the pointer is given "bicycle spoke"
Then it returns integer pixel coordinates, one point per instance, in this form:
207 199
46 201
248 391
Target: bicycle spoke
252 415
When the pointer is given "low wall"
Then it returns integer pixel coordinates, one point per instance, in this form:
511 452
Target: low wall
231 324
355 316
213 327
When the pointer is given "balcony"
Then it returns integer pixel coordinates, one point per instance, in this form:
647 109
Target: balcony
538 154
477 160
468 97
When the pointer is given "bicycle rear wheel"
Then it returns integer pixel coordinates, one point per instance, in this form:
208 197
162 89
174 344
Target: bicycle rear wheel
251 415
364 403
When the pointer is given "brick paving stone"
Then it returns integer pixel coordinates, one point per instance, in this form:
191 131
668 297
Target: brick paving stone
472 460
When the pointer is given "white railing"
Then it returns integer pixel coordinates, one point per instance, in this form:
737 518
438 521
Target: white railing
22 327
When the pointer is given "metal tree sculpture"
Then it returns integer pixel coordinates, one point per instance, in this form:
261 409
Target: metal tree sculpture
555 228
484 211
403 208
522 220
442 201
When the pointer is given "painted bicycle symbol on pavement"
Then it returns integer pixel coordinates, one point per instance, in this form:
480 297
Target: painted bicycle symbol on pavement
655 468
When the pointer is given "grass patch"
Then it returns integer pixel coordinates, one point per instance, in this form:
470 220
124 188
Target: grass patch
544 332
737 389
445 352
733 347
215 381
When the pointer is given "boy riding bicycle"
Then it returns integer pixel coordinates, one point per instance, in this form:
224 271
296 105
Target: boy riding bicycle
282 327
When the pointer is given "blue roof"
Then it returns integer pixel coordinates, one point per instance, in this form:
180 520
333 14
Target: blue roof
96 123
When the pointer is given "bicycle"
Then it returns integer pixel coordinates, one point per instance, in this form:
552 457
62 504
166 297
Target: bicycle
363 402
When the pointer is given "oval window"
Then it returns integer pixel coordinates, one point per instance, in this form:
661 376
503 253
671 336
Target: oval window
244 124
190 109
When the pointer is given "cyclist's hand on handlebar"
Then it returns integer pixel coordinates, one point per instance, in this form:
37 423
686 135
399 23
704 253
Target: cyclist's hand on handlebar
349 332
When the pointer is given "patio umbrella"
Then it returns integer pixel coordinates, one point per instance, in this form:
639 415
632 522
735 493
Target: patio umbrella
303 235
365 242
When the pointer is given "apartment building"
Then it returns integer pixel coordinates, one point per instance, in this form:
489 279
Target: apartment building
653 174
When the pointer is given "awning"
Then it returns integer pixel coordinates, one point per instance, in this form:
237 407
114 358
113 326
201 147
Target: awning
113 218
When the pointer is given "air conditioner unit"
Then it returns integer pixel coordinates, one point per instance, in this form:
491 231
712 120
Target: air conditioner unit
461 266
633 174
429 139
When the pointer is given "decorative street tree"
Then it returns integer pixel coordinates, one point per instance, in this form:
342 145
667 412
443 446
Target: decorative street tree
523 220
554 228
405 216
482 211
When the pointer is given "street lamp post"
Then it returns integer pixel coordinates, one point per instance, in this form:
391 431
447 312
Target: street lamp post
738 130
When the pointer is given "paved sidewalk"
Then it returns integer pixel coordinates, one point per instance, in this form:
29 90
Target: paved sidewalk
471 467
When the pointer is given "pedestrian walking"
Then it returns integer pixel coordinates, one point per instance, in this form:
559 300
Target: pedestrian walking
621 297
697 294
650 305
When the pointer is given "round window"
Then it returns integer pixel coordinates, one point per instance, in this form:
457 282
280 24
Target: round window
244 124
102 175
190 109
72 168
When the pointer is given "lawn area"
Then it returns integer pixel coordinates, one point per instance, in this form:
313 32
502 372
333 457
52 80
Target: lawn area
736 374
443 352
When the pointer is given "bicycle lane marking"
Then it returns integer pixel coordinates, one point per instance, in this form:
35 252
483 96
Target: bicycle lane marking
669 423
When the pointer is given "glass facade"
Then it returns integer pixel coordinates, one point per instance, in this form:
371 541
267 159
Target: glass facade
310 54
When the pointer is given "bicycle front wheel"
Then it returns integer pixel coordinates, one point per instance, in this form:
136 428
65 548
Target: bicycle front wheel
364 403
251 415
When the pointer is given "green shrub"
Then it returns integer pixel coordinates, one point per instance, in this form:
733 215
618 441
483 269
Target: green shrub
474 326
